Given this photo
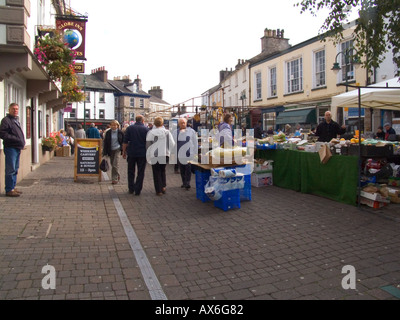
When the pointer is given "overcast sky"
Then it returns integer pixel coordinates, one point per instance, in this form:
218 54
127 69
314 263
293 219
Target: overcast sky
181 45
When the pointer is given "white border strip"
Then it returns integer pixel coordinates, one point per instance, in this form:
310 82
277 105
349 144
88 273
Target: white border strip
155 290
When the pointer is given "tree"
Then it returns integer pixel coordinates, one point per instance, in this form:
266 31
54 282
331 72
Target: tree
377 30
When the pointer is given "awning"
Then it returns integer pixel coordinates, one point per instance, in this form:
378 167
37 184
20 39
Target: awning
274 109
297 116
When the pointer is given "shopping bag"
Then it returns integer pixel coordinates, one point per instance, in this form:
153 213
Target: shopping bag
104 165
325 153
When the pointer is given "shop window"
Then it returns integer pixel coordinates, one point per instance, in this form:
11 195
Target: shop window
28 123
72 114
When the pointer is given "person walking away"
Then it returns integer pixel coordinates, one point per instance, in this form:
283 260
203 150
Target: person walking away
93 132
389 131
187 146
112 147
13 141
329 129
159 142
134 149
80 133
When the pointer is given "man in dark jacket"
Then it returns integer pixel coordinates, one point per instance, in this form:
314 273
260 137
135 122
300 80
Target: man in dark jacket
329 129
134 147
13 142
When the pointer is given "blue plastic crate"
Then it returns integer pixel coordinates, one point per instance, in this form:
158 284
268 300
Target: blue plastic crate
201 180
230 200
245 193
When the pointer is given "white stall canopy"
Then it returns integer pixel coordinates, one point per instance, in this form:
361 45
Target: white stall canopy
372 97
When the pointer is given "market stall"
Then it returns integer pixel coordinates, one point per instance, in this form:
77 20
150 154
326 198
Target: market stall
303 171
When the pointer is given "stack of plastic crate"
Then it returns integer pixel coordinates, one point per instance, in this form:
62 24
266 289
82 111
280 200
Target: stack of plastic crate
230 200
202 178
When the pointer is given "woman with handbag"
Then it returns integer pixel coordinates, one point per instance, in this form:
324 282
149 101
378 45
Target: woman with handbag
112 147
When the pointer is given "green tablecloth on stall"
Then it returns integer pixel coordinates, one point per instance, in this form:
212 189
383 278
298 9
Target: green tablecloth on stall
303 171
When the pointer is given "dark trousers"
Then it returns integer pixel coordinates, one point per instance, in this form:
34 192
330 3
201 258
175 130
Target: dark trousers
135 184
186 173
159 176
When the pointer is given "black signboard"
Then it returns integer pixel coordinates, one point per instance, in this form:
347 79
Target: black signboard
87 157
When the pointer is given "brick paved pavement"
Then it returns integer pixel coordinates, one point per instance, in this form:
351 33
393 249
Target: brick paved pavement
281 245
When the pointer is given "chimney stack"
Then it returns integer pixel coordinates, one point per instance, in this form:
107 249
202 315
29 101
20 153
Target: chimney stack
138 83
101 73
274 41
156 92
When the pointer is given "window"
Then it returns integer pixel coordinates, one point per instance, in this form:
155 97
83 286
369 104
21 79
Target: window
87 97
132 101
47 125
131 116
236 79
347 68
294 75
72 114
244 75
102 97
258 86
28 122
102 113
142 103
319 65
272 82
87 113
40 124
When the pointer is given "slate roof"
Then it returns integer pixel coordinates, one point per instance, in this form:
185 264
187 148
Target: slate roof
155 99
120 86
94 83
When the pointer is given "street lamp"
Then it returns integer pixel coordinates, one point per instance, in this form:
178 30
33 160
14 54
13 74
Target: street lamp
353 61
349 56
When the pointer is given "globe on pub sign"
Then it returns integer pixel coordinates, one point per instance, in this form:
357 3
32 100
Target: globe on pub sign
72 38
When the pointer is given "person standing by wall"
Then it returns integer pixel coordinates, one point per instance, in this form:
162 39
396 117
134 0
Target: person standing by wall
13 142
112 147
134 148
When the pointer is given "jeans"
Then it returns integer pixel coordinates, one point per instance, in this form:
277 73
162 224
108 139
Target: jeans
12 165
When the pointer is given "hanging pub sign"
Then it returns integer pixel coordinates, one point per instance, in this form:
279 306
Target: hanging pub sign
74 30
87 158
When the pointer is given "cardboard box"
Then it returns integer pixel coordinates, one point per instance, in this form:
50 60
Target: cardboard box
374 196
64 151
261 179
372 203
394 199
263 165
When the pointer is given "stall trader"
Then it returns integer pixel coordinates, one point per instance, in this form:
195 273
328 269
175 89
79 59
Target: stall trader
389 130
329 129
